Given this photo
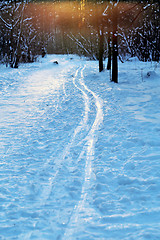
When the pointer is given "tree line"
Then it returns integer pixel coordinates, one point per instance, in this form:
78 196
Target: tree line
95 29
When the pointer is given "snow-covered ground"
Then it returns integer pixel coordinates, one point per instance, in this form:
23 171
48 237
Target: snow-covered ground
79 155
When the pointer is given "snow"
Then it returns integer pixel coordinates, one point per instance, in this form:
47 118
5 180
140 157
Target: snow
79 154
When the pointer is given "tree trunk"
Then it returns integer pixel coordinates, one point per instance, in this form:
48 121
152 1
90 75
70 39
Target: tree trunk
115 44
109 52
101 49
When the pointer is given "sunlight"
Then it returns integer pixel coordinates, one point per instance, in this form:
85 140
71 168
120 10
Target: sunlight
43 83
63 14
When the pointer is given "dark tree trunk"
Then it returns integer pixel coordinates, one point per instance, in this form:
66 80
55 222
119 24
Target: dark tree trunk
109 52
115 60
101 49
115 45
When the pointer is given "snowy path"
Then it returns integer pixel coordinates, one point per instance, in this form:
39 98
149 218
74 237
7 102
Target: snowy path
50 174
79 155
82 210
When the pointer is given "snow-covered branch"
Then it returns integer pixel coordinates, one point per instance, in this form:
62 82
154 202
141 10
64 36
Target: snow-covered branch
7 25
73 38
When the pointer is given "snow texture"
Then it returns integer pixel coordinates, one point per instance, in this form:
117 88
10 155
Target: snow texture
79 154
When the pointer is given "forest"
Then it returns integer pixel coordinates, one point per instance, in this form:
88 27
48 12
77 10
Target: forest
95 29
79 153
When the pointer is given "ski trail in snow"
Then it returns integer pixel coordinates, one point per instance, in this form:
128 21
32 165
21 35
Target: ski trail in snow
87 152
82 124
91 137
83 209
46 191
84 120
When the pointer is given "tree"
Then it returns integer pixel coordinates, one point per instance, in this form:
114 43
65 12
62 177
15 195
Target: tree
12 18
111 14
136 26
115 43
94 29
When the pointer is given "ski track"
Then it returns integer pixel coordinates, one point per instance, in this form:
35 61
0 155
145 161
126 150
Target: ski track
82 209
46 191
82 188
57 181
87 152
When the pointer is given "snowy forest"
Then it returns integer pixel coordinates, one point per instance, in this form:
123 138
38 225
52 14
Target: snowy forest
90 28
79 154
